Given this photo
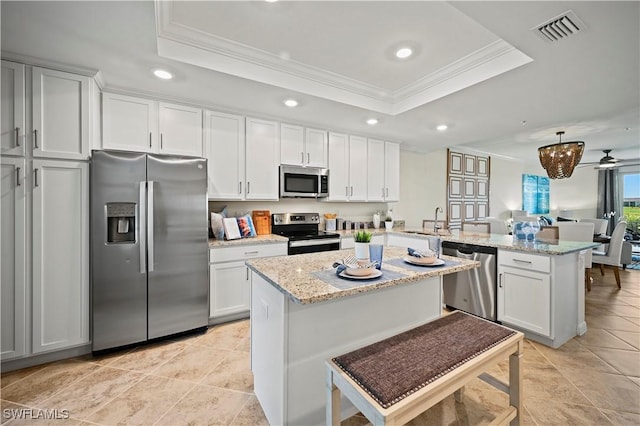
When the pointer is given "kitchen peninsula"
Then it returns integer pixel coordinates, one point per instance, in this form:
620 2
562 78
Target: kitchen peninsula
302 314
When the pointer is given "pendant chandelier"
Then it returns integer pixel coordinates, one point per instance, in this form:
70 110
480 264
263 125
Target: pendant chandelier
559 159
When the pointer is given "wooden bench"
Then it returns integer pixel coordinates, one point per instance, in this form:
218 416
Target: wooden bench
396 379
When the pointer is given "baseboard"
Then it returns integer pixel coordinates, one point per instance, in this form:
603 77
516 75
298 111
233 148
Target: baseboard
30 361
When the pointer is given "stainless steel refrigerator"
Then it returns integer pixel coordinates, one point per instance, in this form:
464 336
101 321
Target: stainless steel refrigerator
149 254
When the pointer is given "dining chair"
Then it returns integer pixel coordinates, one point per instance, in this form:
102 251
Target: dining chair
579 231
548 233
600 225
525 219
614 252
497 226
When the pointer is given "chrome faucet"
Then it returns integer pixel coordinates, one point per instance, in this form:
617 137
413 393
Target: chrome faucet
435 222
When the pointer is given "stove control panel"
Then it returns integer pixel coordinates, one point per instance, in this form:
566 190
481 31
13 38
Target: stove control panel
295 218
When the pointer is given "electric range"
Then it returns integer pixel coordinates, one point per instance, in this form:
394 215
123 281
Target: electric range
302 231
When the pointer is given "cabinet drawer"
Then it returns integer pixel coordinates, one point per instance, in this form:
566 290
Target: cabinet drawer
243 252
527 261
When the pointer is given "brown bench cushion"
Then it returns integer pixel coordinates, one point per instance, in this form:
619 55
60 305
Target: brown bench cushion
394 368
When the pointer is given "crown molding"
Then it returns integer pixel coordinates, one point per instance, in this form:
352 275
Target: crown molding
58 66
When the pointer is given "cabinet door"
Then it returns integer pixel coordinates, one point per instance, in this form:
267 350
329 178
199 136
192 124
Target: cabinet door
292 145
338 167
224 149
524 299
129 123
316 148
357 168
60 114
229 288
375 175
180 130
392 171
262 159
12 95
14 308
60 296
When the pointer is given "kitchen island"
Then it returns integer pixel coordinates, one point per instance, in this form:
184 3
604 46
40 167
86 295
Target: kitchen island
302 315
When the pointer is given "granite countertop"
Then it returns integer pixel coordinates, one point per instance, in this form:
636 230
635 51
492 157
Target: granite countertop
294 276
506 242
259 239
349 233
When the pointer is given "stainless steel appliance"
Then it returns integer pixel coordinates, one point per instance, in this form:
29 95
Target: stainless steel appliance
149 254
297 181
302 231
472 291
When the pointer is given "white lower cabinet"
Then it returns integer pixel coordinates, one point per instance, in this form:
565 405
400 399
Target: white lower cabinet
419 243
45 282
229 284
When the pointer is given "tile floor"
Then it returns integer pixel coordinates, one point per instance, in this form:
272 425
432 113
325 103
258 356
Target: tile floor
205 379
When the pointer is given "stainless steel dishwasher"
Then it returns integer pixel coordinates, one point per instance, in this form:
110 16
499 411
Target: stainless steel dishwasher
472 291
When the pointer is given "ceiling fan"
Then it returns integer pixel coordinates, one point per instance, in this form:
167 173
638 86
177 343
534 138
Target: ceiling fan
608 161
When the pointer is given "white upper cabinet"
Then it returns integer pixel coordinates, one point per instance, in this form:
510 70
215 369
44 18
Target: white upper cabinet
303 147
180 130
12 107
136 124
357 168
338 167
292 144
383 161
262 158
316 147
61 114
129 123
224 148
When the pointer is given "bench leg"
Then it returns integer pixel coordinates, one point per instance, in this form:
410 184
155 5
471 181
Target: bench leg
459 394
333 401
515 382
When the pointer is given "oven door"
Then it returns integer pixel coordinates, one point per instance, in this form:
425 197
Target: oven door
313 246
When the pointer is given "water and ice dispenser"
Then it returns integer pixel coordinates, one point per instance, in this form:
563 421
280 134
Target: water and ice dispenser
121 222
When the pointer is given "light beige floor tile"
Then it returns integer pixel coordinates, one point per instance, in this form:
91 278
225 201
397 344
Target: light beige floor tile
144 403
610 322
206 406
627 362
233 373
573 355
46 382
546 382
192 363
635 321
43 418
148 357
88 394
226 336
13 376
622 419
607 391
106 358
481 407
443 413
245 345
251 414
602 338
10 411
357 420
635 380
632 338
549 412
626 311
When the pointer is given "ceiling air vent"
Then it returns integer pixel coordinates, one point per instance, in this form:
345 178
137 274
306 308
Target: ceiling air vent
560 27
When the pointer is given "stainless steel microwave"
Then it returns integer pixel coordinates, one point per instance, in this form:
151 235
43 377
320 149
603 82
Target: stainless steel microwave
310 182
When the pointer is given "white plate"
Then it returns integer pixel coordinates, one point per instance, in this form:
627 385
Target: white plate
438 262
375 274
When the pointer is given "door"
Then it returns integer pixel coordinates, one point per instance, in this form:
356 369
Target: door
292 145
119 274
357 168
338 167
316 148
262 160
60 114
129 123
14 308
224 149
229 288
375 176
180 130
60 299
12 94
392 171
177 246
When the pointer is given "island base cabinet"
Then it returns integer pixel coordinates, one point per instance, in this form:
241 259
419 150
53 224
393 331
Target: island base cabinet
525 300
290 342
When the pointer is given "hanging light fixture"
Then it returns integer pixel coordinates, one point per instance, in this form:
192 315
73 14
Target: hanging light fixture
559 159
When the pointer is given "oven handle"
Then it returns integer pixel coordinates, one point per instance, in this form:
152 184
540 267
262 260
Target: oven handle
319 242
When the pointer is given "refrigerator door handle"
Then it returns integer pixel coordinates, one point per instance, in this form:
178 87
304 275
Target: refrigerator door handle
150 223
142 228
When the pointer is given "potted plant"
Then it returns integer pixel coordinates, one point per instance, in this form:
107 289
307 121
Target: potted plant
388 223
362 239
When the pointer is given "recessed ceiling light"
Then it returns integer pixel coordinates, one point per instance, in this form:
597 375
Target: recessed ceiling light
271 1
291 103
404 52
442 127
163 74
372 121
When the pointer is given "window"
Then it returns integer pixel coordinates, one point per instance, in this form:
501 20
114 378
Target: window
631 199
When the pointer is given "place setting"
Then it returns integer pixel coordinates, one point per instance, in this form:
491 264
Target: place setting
420 260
